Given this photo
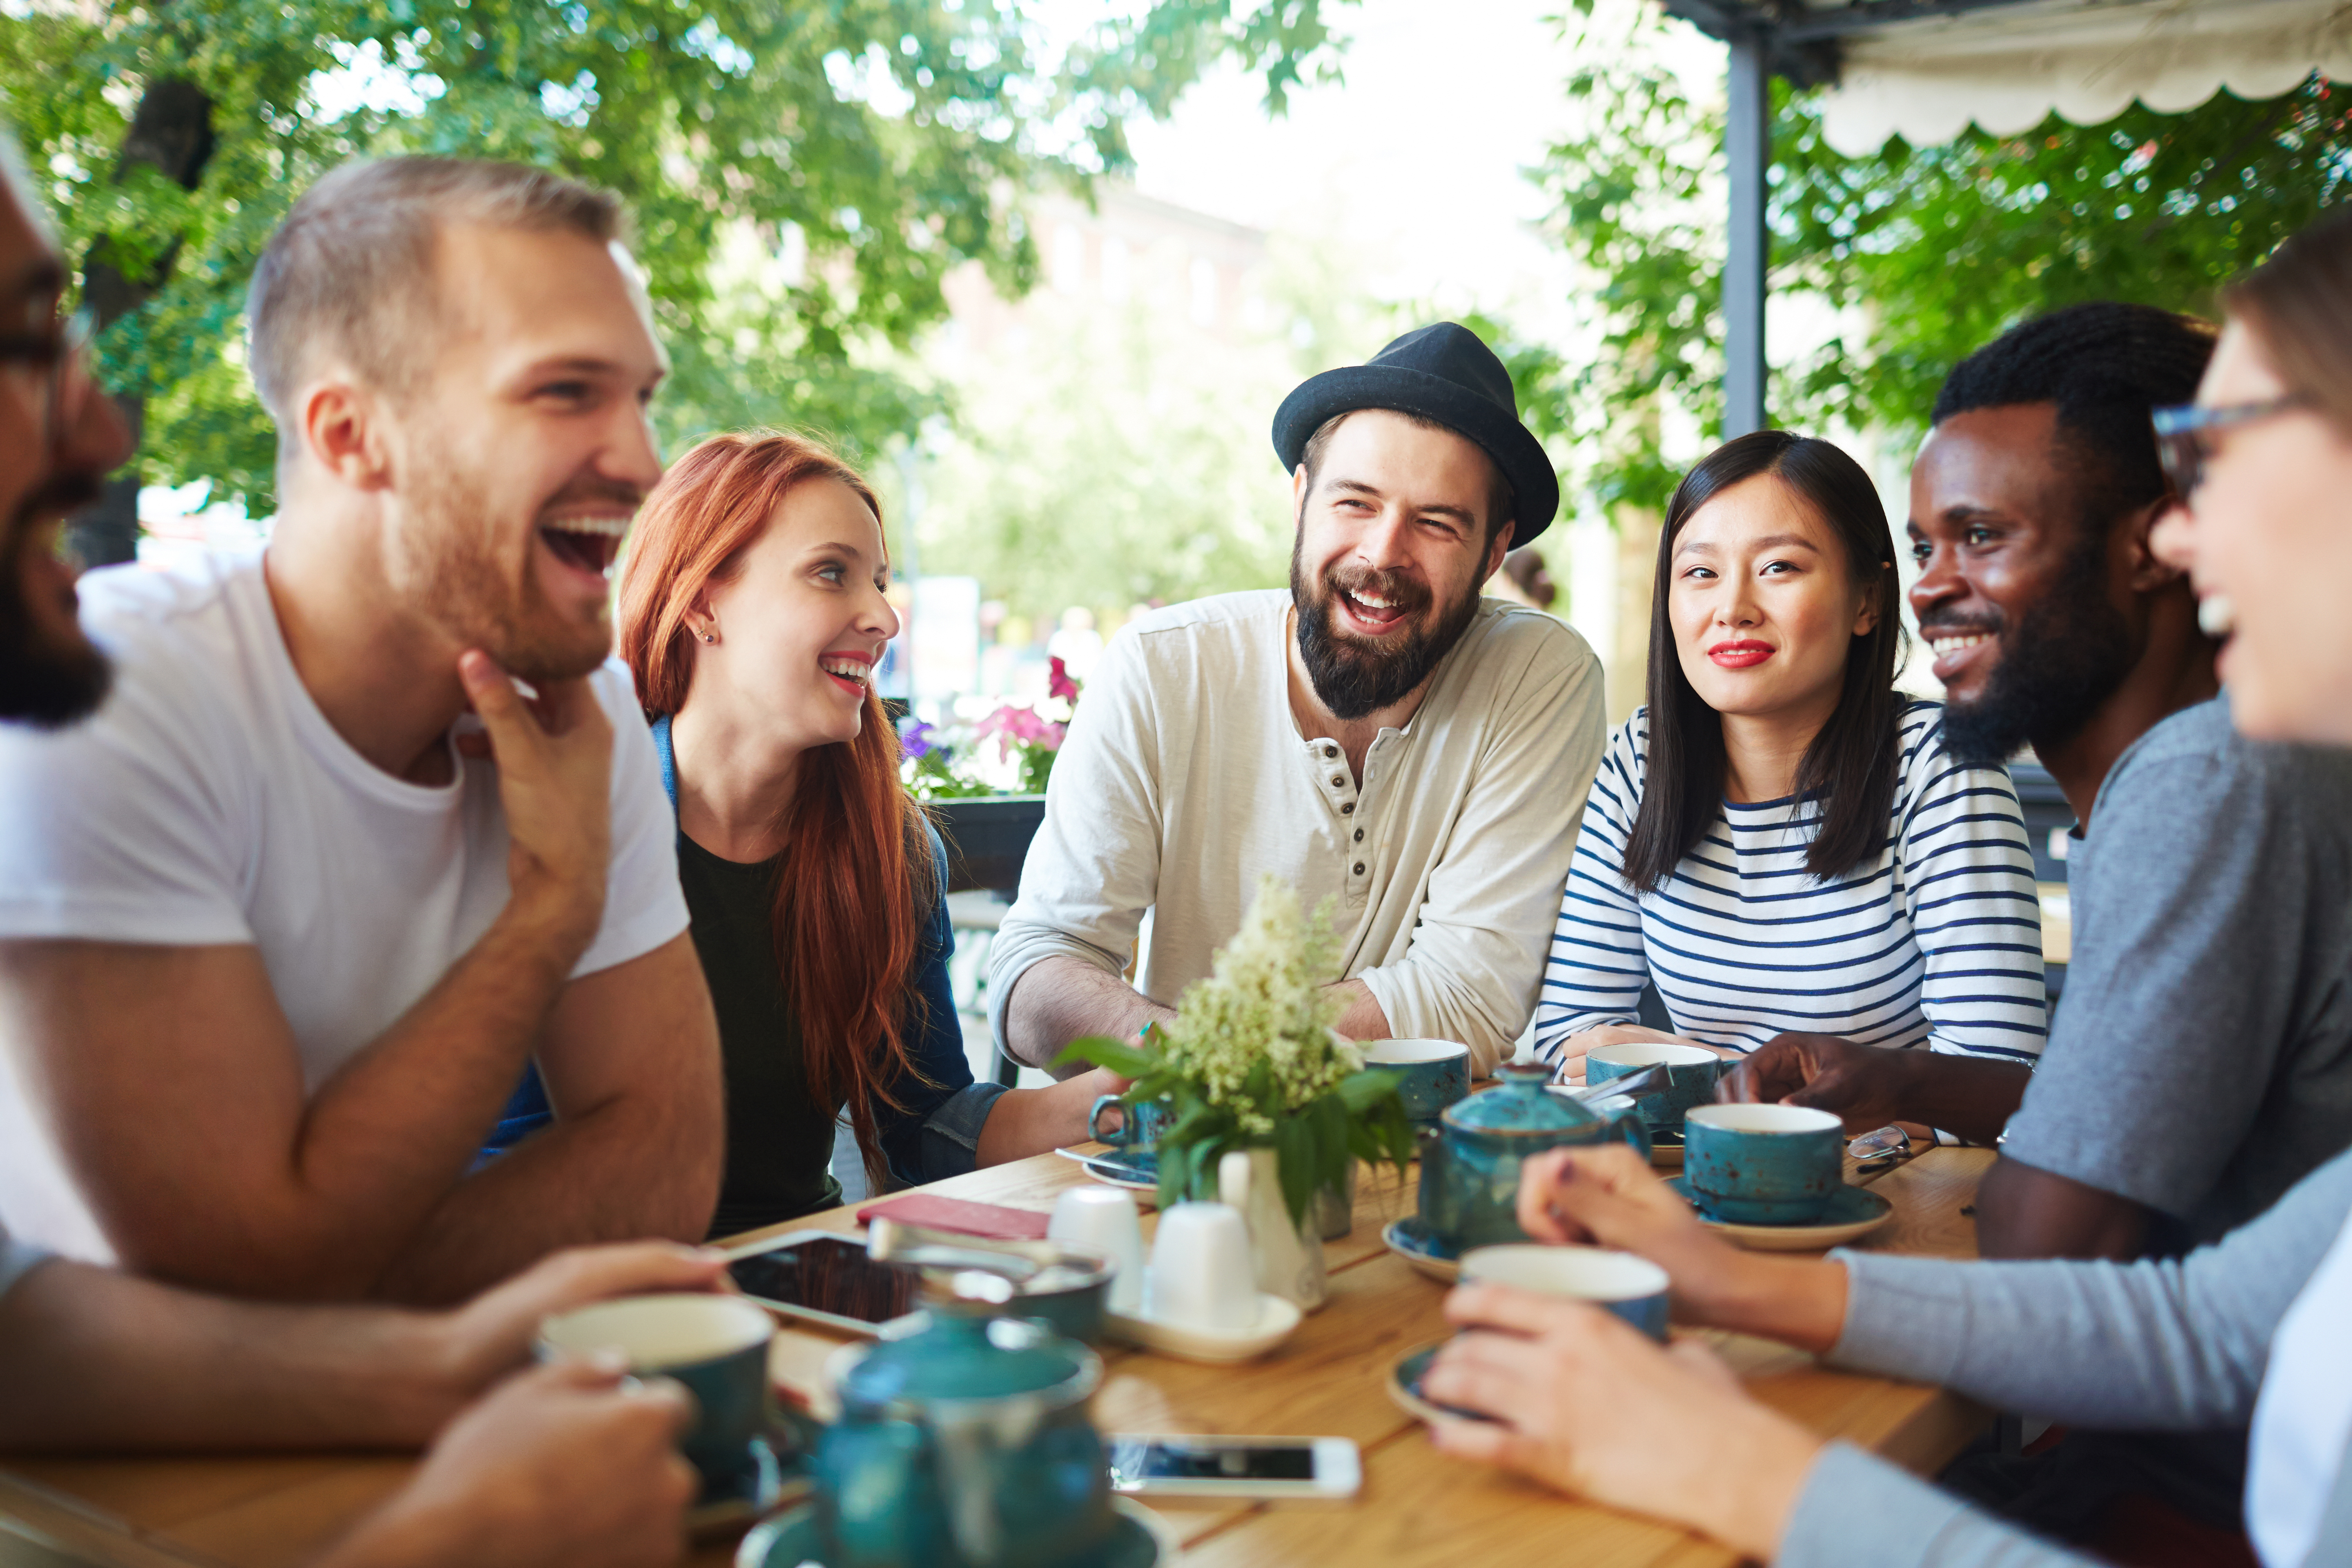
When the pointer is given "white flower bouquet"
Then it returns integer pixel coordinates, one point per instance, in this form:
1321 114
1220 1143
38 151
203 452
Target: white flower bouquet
1253 1062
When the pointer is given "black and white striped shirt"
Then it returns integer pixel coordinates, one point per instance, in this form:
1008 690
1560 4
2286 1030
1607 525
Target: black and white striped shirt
1936 942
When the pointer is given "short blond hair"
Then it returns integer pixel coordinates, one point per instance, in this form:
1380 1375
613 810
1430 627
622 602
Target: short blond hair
349 271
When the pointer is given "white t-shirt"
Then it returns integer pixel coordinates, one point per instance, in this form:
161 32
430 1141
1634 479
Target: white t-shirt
1185 778
210 802
2303 1419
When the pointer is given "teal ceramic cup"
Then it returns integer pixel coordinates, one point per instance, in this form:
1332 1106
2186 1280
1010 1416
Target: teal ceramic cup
1139 1132
1691 1075
1431 1074
1763 1165
717 1346
1631 1287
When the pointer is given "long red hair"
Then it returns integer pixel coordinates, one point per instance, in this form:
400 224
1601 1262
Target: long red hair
848 925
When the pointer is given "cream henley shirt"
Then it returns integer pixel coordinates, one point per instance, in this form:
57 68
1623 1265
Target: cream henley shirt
1184 778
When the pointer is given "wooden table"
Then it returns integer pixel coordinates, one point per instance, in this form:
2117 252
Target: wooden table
1418 1507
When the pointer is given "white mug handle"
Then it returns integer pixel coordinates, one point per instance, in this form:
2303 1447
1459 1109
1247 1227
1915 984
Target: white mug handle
1233 1179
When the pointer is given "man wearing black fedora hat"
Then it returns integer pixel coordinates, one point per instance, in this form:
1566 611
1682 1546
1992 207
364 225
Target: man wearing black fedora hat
1379 735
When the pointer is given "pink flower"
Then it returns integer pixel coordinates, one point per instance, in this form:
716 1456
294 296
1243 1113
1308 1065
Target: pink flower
1016 727
1059 684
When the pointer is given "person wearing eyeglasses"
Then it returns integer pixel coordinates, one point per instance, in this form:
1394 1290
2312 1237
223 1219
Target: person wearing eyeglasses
2203 1062
2248 1330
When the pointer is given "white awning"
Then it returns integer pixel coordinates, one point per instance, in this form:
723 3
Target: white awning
2008 67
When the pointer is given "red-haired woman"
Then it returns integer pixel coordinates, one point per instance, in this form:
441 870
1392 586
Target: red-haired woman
752 614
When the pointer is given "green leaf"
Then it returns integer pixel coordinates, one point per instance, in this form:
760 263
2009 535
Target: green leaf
1294 1148
1364 1089
1100 1050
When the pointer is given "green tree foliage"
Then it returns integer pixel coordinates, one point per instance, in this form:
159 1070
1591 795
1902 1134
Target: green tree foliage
867 146
1925 252
1112 457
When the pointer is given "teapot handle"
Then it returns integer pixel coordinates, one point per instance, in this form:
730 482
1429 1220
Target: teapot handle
1233 1179
1626 1122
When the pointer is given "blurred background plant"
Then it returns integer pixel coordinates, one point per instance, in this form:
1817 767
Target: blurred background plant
950 761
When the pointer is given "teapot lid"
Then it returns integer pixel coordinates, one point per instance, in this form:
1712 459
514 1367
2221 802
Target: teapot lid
1522 1104
965 1351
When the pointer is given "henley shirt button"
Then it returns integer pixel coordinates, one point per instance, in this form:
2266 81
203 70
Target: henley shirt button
1336 781
1360 836
1360 867
1331 751
1349 809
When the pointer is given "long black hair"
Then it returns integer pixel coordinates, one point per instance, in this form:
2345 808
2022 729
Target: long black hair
1850 766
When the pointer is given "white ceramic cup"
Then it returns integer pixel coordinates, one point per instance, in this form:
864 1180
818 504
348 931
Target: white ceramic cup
1201 1275
1105 1218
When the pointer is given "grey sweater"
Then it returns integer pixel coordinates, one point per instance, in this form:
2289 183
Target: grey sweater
2173 1345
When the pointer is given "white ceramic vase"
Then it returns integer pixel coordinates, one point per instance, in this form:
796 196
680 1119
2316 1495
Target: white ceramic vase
1288 1256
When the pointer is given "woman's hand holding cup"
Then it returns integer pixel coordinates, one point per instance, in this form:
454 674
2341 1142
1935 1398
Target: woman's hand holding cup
1582 1401
1608 1196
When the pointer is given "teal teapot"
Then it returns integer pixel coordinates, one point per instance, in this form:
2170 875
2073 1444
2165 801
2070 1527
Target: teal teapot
1470 1169
967 1444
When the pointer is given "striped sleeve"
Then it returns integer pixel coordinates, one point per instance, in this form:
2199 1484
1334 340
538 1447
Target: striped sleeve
1596 970
1968 875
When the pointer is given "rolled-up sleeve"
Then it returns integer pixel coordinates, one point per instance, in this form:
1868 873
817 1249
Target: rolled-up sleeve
1094 866
1476 956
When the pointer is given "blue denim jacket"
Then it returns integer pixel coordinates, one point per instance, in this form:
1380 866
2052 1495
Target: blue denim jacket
936 1133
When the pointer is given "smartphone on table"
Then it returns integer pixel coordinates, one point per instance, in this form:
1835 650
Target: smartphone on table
821 1277
1276 1467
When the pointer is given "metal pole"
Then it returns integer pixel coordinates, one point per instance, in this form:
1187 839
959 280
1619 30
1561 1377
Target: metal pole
1748 145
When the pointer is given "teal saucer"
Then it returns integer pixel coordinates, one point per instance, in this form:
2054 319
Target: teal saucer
1852 1213
1410 1239
1404 1388
1138 1540
1136 1174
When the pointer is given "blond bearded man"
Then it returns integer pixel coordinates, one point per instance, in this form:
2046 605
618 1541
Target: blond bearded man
286 919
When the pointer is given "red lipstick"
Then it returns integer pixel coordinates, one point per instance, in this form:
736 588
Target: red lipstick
1743 654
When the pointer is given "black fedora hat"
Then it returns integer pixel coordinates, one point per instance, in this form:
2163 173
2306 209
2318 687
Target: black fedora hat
1443 373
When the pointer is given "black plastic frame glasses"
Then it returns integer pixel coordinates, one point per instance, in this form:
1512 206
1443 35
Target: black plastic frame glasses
2184 443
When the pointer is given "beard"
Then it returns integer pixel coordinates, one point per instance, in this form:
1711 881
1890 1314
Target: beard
455 569
2066 656
1357 676
49 679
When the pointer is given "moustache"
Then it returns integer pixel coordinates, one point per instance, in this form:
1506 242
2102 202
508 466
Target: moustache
1406 592
65 492
619 492
1949 627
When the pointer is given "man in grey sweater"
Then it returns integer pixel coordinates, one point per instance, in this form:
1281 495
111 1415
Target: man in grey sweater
2202 1063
